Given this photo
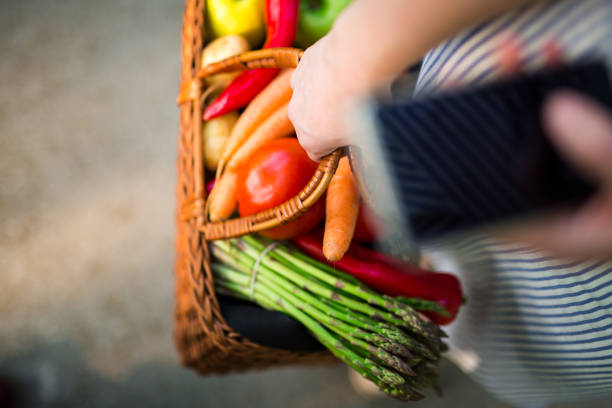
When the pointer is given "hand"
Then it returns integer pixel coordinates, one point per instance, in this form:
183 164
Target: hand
322 95
351 62
582 131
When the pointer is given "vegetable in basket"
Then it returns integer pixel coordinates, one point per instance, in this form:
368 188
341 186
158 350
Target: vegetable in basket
274 96
392 276
384 339
273 174
369 227
219 49
276 126
222 198
316 19
266 118
281 21
341 210
244 18
347 218
215 134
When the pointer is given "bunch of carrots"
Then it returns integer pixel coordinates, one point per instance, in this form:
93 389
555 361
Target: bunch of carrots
266 118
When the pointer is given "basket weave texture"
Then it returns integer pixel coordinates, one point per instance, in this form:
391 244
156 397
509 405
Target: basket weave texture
204 340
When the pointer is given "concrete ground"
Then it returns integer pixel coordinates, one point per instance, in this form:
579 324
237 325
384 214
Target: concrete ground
88 129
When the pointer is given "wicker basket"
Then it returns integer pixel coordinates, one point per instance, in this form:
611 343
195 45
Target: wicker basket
204 339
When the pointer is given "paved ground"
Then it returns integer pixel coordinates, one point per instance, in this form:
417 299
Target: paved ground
87 164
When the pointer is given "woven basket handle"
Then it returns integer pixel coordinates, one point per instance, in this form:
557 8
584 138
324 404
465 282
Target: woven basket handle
294 207
266 58
282 213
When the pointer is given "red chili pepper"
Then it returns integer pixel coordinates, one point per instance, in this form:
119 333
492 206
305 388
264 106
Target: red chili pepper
392 276
368 225
281 23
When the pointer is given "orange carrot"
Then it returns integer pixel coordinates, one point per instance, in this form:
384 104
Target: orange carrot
223 196
276 94
342 208
274 127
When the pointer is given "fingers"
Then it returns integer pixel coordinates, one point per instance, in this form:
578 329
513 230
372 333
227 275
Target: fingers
295 77
509 57
314 109
298 73
298 110
314 148
584 233
582 131
312 145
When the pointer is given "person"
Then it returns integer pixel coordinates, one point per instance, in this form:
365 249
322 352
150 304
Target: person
537 327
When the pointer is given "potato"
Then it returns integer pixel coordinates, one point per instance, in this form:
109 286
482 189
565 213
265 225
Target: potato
215 133
224 47
221 48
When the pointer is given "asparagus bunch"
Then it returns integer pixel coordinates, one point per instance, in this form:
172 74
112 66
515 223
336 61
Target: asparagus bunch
381 337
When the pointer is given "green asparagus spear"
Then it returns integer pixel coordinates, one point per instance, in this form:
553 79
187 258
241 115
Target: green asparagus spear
359 326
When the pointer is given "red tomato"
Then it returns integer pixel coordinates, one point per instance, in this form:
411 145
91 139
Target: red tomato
276 172
301 225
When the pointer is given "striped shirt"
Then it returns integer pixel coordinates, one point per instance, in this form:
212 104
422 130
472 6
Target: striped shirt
536 329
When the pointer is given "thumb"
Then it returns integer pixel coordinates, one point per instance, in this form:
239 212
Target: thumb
582 130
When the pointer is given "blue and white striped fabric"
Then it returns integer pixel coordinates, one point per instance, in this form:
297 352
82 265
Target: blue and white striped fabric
536 329
580 27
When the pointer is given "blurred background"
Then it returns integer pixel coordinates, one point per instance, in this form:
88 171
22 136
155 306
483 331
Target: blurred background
88 130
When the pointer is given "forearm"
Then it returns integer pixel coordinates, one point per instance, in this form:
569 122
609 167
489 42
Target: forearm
374 40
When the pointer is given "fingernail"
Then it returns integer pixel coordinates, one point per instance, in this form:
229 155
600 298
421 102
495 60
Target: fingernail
553 52
582 130
509 56
565 112
571 117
